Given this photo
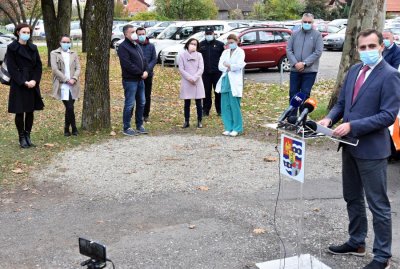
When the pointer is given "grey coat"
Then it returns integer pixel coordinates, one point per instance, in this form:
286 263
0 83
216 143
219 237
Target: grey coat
58 68
305 46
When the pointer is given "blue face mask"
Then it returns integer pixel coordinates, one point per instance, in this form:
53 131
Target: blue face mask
65 46
307 26
142 38
209 38
386 42
369 57
232 46
25 37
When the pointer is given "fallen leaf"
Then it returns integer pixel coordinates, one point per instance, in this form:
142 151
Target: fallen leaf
49 145
100 221
270 159
316 209
26 189
192 226
113 133
259 231
17 171
203 188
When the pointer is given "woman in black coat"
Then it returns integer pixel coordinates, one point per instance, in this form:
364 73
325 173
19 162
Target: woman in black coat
25 69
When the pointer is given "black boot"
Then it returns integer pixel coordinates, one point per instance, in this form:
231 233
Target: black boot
22 141
74 131
66 131
28 139
186 124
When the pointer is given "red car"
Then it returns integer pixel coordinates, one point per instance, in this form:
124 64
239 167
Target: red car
264 47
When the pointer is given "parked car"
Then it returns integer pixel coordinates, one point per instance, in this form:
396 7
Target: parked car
173 34
153 32
326 29
3 47
335 41
340 23
9 37
75 31
169 55
117 35
265 47
38 30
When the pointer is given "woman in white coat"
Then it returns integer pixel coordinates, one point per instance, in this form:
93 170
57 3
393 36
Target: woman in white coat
230 86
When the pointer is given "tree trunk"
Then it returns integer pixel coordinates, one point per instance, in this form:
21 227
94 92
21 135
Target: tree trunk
84 23
363 14
56 25
96 100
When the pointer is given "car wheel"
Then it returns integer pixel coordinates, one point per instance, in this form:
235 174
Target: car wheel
284 63
113 43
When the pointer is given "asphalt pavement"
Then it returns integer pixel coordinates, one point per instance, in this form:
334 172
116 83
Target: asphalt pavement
328 69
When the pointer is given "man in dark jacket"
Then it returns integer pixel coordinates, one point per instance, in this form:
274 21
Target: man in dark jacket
211 50
150 55
391 54
134 71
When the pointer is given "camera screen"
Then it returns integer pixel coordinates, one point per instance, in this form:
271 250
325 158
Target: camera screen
92 249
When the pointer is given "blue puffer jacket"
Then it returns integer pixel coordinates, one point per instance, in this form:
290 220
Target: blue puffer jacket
149 52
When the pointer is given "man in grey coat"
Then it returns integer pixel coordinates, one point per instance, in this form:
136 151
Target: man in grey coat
303 50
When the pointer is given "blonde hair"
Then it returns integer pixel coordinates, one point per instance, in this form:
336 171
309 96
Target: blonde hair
233 36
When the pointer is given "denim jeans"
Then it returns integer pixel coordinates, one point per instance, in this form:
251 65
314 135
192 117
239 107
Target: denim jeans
300 82
131 90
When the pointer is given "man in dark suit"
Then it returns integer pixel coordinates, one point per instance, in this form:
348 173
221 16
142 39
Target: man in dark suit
391 54
368 104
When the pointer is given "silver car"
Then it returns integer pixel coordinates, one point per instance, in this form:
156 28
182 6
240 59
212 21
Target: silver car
3 47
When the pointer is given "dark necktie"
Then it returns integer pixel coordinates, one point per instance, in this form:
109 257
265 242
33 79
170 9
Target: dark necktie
360 81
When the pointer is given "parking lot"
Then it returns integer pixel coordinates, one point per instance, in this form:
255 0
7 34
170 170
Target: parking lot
328 68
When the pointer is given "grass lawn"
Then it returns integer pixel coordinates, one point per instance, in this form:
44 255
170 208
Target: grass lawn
261 103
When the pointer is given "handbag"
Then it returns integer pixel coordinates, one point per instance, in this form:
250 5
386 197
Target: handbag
4 75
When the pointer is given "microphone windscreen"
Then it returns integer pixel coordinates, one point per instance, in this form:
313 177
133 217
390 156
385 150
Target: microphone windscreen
311 104
298 99
292 119
312 125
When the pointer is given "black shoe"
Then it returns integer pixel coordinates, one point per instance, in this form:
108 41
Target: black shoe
186 124
345 249
28 139
146 119
199 124
206 113
377 265
22 141
67 133
75 131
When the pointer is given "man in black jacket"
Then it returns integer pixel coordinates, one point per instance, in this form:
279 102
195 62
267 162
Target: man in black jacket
211 50
150 55
391 53
134 66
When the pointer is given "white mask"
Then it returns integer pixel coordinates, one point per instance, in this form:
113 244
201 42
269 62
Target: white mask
134 36
192 48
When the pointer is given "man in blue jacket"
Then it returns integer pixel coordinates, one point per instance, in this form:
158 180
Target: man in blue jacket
303 50
150 55
368 104
391 53
134 71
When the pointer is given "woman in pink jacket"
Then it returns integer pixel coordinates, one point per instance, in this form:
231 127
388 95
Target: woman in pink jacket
191 67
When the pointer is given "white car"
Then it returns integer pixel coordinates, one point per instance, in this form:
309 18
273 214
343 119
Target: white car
38 30
173 34
3 47
75 30
169 55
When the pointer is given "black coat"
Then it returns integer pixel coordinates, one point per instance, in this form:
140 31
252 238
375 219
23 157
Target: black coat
211 52
24 64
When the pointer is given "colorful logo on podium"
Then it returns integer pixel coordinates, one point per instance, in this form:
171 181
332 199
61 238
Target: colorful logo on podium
292 158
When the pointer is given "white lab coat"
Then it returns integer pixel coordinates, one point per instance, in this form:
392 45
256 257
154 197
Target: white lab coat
235 74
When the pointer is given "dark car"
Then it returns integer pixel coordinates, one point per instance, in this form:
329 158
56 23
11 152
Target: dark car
264 47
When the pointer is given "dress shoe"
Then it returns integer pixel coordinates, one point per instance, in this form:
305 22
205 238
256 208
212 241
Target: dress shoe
186 124
346 249
75 131
377 265
199 124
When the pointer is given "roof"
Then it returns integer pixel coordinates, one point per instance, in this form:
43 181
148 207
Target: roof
393 6
244 5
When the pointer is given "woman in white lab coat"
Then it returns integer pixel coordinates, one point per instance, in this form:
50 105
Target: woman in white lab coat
66 69
230 86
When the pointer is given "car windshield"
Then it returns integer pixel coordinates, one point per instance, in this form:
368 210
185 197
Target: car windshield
168 32
342 31
199 36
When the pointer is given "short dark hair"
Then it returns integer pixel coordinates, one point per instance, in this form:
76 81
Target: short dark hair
64 35
367 32
126 27
19 27
140 29
190 40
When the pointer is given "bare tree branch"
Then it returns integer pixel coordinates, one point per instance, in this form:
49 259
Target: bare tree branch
7 13
22 10
13 6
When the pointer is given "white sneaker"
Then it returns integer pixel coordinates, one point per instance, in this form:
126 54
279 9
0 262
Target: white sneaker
233 133
226 133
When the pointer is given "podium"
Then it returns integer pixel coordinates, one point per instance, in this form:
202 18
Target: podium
292 165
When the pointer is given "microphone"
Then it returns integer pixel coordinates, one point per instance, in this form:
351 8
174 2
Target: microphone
318 128
309 105
295 102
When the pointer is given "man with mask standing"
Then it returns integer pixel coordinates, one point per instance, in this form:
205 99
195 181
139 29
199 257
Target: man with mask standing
391 54
134 71
303 50
150 55
368 104
211 50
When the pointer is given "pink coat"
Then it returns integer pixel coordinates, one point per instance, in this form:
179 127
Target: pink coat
191 66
